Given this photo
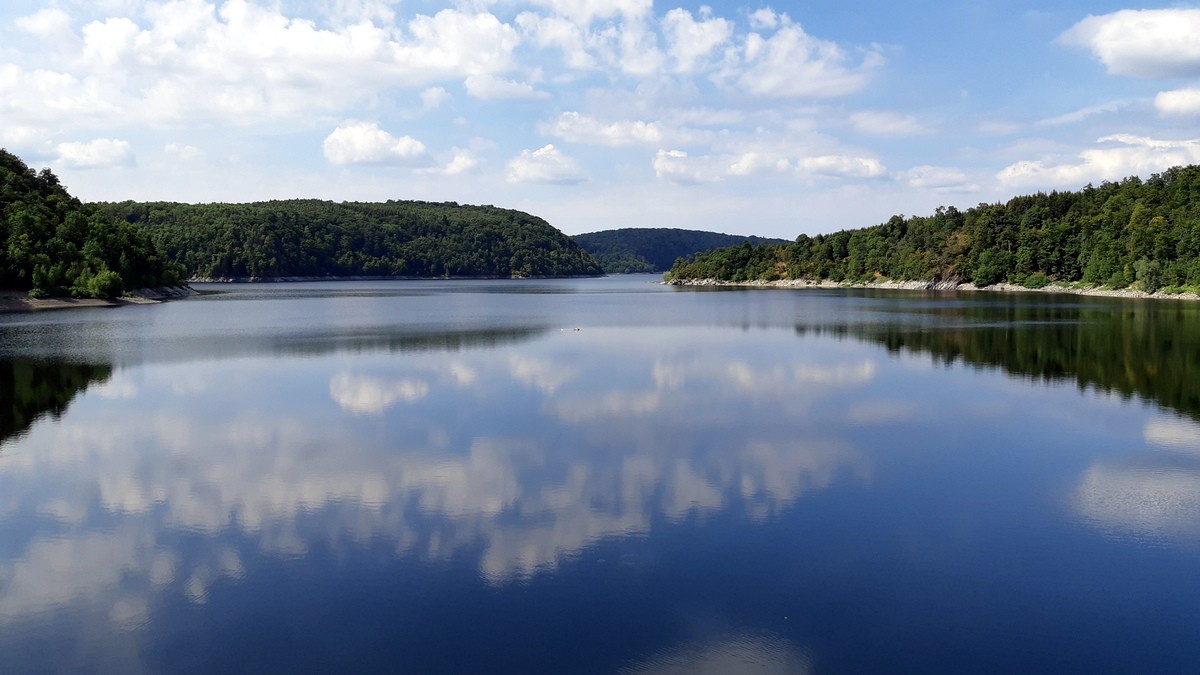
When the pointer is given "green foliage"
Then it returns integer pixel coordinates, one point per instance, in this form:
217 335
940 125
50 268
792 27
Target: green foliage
53 245
638 249
312 238
1036 280
1144 233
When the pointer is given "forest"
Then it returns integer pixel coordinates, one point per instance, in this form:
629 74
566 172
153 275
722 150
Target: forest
314 238
51 244
1140 234
632 250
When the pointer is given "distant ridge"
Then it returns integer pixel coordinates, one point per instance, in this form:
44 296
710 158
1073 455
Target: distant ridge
315 239
654 249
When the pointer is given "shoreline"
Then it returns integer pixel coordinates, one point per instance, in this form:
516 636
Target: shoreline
1093 291
296 279
13 302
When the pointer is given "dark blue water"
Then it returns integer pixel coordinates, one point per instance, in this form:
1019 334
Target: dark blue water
600 476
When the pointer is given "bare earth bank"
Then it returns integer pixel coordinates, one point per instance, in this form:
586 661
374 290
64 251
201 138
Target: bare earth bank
944 286
15 301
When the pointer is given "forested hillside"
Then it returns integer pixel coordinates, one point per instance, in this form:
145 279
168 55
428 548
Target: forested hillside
55 245
637 249
312 238
1140 234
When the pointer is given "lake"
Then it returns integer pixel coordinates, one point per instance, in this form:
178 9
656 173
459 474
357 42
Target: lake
600 476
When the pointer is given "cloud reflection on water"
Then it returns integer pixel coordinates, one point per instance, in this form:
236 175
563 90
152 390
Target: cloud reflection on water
1154 495
596 447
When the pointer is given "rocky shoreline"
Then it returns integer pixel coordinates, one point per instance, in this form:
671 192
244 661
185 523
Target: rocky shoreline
951 286
13 301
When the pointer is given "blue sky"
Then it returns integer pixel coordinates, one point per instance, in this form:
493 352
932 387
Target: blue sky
770 119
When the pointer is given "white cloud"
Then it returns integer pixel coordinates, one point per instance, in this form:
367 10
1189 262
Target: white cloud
585 12
841 166
677 167
559 33
764 18
1182 102
463 162
102 152
20 136
576 128
691 42
243 63
792 63
1084 113
488 87
434 98
1136 155
751 163
938 179
884 123
52 23
182 151
1142 43
544 165
366 143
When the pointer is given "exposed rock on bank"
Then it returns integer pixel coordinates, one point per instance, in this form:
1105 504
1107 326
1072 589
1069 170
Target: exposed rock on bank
13 301
950 286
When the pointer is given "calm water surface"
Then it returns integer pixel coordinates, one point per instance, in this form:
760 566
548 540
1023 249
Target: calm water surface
600 476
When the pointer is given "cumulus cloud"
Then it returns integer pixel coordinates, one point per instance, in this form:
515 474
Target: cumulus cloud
559 33
1142 43
841 166
366 143
576 128
102 152
463 162
792 63
1182 102
690 43
764 18
1133 155
545 165
243 62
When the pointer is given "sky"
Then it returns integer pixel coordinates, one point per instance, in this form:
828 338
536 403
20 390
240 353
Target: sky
771 119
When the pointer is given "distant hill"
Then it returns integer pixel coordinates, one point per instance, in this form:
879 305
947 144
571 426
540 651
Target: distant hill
654 249
314 238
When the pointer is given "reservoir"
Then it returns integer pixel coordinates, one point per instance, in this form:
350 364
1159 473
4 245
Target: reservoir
600 476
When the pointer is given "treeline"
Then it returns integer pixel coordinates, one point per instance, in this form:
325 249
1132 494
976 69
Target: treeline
313 238
1140 234
653 249
52 244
